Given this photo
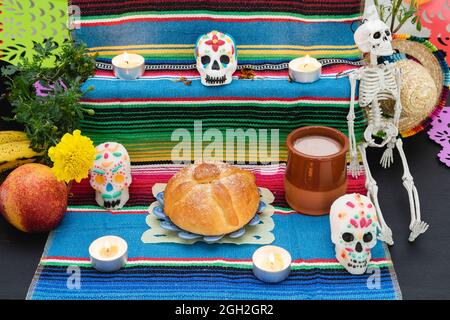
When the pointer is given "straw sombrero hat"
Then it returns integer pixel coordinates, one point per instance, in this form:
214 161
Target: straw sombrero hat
425 83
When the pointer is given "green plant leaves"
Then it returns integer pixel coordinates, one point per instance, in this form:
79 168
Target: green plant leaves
9 70
56 111
397 13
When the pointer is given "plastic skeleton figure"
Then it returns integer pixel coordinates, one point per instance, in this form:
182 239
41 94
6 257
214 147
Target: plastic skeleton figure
380 82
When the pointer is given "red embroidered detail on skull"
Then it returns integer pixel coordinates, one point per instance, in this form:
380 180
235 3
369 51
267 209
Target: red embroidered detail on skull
215 43
363 222
354 223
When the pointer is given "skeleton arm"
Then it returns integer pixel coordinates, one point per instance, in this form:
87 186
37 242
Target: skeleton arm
388 156
354 164
398 103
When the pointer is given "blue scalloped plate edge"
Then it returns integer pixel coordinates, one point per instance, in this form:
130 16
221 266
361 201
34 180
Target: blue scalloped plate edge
168 225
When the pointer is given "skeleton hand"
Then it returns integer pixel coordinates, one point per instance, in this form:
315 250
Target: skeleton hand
388 157
417 228
386 235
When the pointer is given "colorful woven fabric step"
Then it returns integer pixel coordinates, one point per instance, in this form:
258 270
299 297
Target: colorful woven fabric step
201 271
144 177
265 31
143 114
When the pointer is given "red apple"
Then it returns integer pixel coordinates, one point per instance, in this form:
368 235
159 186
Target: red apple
32 199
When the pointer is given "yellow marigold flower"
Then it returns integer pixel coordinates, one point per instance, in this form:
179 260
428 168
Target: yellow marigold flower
72 157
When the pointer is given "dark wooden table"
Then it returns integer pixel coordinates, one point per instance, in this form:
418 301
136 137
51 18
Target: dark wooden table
422 267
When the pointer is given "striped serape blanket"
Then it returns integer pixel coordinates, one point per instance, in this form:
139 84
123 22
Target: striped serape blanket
199 271
143 114
266 31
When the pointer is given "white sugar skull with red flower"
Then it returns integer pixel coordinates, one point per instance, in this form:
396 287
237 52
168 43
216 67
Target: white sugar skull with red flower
216 58
354 224
111 175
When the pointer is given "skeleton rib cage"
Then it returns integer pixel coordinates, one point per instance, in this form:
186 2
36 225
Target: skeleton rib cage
377 83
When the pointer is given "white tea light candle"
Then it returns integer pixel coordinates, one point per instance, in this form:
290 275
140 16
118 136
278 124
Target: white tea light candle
128 66
108 253
317 146
305 69
271 264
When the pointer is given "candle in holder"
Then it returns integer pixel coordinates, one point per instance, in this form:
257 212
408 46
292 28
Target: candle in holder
108 253
271 264
128 66
305 69
316 172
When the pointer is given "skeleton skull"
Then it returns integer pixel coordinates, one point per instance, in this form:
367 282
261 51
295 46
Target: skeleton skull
216 58
353 222
374 35
111 175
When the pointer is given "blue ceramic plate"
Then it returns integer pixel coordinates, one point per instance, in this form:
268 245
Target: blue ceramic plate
168 225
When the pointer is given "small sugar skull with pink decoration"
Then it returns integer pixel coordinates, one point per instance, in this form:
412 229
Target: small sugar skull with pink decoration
354 224
111 175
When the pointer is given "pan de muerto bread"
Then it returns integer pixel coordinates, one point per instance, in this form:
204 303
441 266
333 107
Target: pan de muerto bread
211 198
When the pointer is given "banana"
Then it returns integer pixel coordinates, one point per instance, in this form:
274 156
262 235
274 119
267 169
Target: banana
14 164
12 136
14 154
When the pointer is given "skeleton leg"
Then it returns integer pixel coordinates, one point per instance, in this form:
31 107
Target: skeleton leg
372 193
416 226
354 164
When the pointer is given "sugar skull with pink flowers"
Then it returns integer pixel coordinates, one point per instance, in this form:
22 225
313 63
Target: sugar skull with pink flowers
111 175
354 224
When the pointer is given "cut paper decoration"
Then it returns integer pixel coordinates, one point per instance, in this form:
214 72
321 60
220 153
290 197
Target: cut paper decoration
111 175
440 133
26 22
436 17
258 231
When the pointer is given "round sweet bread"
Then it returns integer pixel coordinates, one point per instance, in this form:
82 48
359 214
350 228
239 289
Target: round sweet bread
211 198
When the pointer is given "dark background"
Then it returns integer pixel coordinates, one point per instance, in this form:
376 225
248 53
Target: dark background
422 267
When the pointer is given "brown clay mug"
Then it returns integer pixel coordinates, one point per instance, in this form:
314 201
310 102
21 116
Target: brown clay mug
312 183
